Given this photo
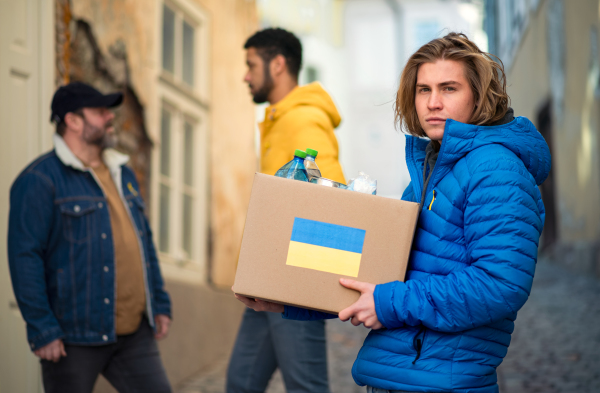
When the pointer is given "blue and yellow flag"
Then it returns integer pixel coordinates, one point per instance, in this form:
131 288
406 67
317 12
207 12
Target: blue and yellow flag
326 247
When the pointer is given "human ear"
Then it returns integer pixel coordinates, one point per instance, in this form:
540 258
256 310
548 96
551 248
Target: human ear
72 120
278 65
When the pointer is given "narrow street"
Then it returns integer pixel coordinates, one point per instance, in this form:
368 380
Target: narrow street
555 347
556 343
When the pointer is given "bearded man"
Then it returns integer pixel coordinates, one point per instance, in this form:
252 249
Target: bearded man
83 265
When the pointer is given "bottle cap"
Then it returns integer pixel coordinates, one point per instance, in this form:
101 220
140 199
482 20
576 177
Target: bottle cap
312 152
300 153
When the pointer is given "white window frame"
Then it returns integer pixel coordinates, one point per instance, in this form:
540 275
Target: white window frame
192 104
186 10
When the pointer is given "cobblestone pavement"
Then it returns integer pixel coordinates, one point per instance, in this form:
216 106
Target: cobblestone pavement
555 347
556 343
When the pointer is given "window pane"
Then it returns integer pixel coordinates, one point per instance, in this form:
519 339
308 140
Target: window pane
165 143
168 42
163 238
187 225
188 54
188 159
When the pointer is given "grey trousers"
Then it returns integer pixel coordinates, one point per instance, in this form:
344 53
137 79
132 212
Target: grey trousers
132 364
265 342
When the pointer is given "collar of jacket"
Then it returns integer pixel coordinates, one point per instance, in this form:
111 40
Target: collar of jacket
312 94
519 136
272 112
112 158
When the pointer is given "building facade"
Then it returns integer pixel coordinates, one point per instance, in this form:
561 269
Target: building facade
550 52
187 122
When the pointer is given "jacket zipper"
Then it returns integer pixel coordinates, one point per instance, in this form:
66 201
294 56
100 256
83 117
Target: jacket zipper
415 175
432 200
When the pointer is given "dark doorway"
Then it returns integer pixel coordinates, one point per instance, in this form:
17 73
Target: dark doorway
550 234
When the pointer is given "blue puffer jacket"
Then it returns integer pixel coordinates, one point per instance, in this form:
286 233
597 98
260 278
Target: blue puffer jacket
448 326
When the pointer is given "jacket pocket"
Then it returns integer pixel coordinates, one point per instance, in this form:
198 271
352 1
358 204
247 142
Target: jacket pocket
419 342
77 220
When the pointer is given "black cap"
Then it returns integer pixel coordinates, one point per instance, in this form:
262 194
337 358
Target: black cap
78 95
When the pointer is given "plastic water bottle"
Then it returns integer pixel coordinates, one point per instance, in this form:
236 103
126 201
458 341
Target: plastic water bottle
312 169
294 169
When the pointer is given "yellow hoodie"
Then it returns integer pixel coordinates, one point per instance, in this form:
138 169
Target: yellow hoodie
304 119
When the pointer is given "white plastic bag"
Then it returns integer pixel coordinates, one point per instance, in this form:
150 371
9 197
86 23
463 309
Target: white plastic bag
363 183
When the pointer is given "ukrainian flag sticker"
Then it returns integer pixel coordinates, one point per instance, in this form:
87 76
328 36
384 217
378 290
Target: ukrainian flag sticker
326 247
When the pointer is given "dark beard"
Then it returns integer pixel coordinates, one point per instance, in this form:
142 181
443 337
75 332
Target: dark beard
262 94
96 136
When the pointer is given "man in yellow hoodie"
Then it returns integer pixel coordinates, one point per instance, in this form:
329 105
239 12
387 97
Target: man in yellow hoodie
297 118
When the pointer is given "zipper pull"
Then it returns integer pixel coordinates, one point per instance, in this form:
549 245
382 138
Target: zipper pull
432 200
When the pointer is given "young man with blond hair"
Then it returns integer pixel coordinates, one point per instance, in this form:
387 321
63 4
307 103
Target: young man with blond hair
475 170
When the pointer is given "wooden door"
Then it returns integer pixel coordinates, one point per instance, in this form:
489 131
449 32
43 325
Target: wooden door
26 84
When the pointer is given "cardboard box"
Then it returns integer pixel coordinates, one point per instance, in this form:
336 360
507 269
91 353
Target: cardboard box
300 238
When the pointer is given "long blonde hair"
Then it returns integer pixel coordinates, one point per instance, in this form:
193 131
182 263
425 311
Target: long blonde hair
485 75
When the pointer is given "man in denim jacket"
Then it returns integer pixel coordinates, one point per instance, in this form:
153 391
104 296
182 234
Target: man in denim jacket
82 261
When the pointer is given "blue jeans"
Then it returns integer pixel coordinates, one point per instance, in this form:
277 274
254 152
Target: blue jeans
371 389
132 364
266 341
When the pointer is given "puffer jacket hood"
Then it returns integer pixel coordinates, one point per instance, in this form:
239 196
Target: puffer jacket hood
305 118
313 95
519 136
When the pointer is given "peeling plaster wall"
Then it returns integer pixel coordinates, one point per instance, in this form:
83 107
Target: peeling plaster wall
134 24
109 72
232 154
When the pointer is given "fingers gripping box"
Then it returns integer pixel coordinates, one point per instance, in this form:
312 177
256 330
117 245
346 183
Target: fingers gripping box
300 238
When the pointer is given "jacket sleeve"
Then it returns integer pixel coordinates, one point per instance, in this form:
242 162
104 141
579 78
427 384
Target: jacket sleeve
30 224
409 193
302 314
313 130
160 297
503 219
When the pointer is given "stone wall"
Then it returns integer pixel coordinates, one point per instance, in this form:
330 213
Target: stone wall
108 71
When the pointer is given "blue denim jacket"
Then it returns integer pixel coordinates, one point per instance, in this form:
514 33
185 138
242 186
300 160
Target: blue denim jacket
60 249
